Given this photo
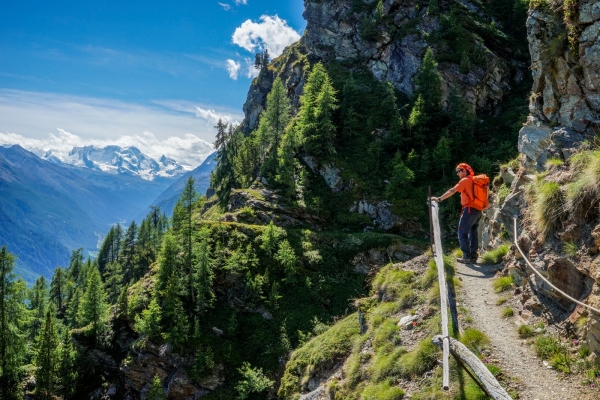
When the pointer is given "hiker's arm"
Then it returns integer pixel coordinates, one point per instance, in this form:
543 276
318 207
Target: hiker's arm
448 193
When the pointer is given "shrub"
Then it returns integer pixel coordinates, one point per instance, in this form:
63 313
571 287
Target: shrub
547 205
254 381
508 312
503 284
525 331
495 256
382 391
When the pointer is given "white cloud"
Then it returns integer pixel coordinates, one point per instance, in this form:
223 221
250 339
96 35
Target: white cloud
233 68
271 33
212 117
251 72
238 2
225 6
48 121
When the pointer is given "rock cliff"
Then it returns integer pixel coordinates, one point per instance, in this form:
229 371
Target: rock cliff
390 42
564 120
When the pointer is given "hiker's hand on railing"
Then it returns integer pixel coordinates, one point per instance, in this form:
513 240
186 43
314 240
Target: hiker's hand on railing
436 199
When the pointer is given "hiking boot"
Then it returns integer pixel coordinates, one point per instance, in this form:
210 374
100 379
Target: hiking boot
463 260
473 260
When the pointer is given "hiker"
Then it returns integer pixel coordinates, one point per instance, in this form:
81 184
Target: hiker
470 213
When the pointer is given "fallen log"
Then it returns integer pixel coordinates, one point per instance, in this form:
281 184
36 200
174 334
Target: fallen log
462 353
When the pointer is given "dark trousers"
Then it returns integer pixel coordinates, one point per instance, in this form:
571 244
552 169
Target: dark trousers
467 232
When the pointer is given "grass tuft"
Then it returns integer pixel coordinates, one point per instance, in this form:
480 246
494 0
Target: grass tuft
495 256
547 205
503 284
508 312
501 300
525 331
583 193
474 339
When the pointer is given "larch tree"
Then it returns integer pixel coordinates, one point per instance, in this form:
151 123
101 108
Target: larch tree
93 310
58 289
183 226
128 252
12 341
47 358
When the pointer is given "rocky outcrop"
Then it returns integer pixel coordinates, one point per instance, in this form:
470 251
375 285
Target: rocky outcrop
392 50
565 100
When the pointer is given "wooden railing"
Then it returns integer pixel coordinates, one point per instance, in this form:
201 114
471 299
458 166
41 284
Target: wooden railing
476 369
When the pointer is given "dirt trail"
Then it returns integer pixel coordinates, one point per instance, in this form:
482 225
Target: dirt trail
508 351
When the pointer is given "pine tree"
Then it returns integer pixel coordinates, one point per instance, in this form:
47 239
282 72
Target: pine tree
93 310
221 138
58 289
123 303
110 248
290 143
203 274
113 280
73 308
183 227
38 300
67 375
223 178
12 343
271 127
287 257
326 104
148 323
47 358
167 263
128 252
76 263
145 252
429 84
442 154
270 238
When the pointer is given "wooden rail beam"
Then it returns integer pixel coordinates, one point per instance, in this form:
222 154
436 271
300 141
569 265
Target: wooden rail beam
460 351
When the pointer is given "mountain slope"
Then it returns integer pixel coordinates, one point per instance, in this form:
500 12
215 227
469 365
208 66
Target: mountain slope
166 201
47 209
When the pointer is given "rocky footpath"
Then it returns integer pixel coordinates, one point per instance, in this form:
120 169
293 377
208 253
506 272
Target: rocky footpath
564 119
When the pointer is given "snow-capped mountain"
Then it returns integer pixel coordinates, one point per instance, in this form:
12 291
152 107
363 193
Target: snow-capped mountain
118 160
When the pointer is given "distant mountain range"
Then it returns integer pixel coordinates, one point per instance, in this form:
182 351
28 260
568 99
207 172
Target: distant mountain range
167 200
49 207
118 160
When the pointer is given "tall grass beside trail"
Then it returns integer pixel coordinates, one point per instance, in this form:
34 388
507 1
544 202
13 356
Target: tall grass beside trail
495 256
583 193
547 205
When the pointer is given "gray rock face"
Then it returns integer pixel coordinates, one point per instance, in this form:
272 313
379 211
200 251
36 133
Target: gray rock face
333 32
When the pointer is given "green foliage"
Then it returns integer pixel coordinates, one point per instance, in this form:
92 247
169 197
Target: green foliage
474 339
418 361
570 248
503 192
93 309
156 392
583 193
270 238
550 348
503 284
149 322
47 358
382 391
525 331
508 312
496 255
253 381
546 200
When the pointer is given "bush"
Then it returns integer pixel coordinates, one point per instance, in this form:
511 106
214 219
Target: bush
503 284
495 256
254 381
508 312
525 331
547 205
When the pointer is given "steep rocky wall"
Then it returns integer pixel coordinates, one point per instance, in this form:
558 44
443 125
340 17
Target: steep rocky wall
565 99
564 112
392 52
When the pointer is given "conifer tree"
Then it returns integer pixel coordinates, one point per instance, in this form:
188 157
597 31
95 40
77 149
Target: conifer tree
148 323
442 154
128 252
67 375
227 144
401 178
272 125
12 343
47 358
123 303
350 116
58 289
290 143
203 274
145 252
429 84
110 249
270 238
76 263
73 308
93 310
113 280
38 300
184 229
167 261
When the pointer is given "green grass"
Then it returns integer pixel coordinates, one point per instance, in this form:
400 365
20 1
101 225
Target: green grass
547 202
503 192
525 331
495 256
474 339
508 312
554 162
385 390
418 361
570 249
583 192
501 300
503 284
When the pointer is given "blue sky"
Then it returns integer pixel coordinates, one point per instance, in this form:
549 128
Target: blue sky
75 73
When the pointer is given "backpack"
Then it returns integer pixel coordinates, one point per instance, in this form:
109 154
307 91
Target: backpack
480 192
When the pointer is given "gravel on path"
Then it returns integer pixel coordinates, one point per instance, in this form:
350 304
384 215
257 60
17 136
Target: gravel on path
512 354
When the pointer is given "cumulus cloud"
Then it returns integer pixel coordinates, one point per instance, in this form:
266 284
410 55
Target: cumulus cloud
272 33
225 6
46 121
233 68
212 117
251 72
